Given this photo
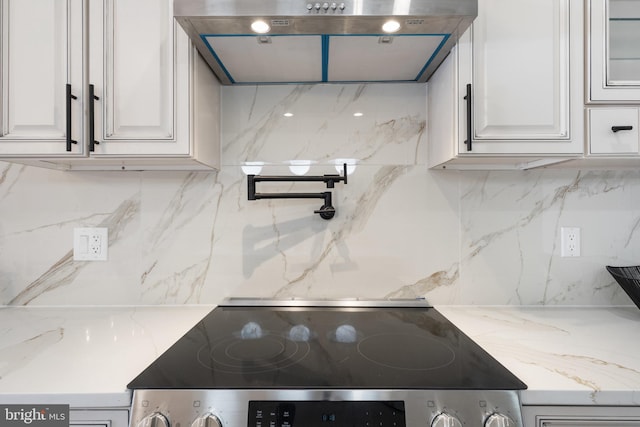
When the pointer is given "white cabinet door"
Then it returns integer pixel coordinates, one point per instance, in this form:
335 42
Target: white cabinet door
517 88
98 417
521 77
155 105
41 53
140 71
580 416
614 51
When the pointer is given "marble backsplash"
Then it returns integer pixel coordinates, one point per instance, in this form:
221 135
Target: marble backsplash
401 230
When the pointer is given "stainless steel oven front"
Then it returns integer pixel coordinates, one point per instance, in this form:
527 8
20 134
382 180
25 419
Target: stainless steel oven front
325 408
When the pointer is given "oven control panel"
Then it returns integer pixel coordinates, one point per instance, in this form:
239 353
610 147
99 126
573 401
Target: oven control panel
325 408
326 413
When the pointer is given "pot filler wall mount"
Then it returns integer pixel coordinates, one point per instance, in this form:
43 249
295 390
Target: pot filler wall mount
310 41
265 363
326 211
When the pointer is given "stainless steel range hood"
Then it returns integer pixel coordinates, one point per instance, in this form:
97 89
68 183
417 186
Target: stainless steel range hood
317 41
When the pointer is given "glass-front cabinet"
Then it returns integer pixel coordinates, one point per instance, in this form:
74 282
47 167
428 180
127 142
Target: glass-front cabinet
613 80
614 49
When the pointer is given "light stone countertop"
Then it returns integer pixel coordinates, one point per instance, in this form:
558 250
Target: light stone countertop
565 355
86 356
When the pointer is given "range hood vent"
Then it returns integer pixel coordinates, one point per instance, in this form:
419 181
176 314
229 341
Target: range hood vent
330 42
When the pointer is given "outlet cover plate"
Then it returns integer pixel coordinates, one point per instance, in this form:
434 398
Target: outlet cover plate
90 243
570 241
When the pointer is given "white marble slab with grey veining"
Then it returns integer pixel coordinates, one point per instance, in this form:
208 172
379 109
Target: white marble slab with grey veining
84 356
400 230
565 355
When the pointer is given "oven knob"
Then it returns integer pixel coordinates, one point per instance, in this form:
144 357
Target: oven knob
154 420
499 420
208 420
445 420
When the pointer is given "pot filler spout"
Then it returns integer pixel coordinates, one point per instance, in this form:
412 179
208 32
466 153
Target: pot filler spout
305 41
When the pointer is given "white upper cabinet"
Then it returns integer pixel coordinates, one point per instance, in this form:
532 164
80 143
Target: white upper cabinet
510 94
41 56
614 131
142 97
613 89
614 51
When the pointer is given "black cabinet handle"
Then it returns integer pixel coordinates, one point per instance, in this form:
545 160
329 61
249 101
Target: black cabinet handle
92 125
70 96
619 128
467 97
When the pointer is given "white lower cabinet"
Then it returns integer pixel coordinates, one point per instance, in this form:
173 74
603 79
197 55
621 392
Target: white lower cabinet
510 93
581 416
98 417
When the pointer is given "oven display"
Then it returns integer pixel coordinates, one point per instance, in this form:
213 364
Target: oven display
326 414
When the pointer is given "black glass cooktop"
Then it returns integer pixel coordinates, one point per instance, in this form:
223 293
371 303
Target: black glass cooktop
237 347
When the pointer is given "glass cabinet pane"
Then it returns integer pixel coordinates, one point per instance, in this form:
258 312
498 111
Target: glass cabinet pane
623 42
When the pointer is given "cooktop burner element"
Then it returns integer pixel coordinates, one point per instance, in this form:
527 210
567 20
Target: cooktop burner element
375 348
269 352
302 366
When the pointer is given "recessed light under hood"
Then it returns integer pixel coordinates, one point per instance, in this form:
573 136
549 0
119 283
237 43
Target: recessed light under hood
315 42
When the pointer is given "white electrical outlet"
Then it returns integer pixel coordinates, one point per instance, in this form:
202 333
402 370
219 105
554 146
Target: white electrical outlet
569 241
90 244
